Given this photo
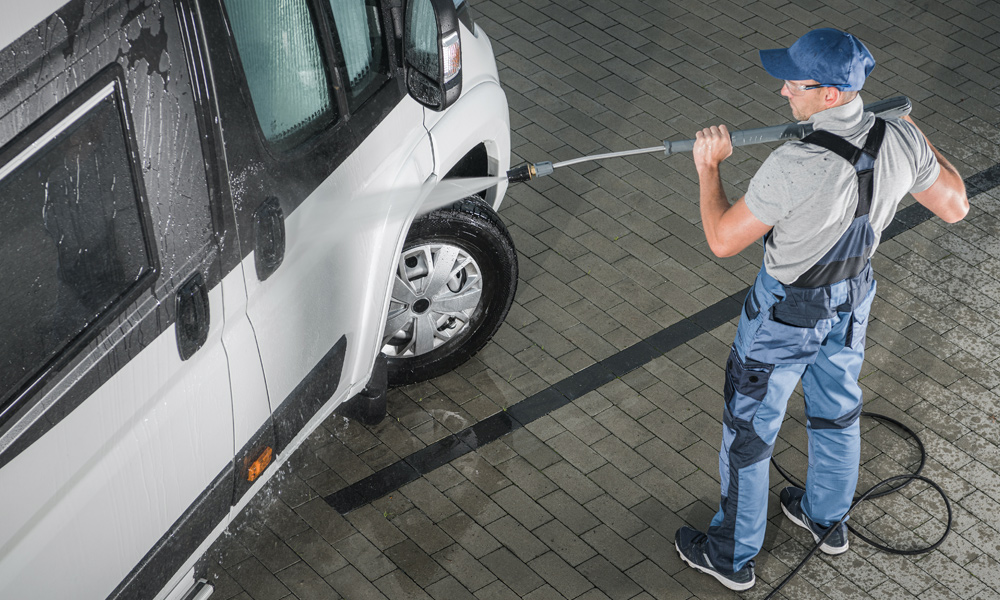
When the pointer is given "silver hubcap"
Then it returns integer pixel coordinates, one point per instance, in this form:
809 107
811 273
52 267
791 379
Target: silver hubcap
435 293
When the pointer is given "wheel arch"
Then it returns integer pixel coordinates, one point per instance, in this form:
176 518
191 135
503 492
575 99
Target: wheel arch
477 124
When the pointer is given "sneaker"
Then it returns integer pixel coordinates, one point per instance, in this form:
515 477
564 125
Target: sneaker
791 505
690 544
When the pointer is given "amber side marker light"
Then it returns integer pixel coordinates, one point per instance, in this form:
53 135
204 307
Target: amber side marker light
257 467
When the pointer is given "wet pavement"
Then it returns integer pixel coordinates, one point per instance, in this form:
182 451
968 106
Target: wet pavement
559 461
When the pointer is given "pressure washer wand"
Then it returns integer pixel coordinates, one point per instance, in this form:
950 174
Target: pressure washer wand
889 108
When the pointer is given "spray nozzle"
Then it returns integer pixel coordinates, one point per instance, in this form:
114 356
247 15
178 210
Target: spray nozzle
529 171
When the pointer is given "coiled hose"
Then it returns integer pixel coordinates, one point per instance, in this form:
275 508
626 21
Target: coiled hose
871 494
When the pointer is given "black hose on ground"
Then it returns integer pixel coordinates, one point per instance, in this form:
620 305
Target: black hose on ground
871 494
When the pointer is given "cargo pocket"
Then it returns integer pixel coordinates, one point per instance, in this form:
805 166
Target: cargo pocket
777 342
746 386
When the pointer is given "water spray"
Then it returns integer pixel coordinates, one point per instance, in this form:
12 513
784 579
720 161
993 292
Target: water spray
889 108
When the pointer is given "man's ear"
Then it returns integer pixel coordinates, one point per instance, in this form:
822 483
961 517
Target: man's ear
831 96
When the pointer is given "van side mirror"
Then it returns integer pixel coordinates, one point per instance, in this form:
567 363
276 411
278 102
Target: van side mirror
432 53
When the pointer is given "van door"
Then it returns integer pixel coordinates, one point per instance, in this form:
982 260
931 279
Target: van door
116 431
316 125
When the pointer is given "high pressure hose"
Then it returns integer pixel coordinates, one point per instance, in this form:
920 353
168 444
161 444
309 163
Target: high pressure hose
887 109
871 494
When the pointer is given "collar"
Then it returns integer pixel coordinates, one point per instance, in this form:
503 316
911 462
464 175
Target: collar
842 119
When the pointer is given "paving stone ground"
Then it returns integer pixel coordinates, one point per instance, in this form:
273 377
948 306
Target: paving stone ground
583 502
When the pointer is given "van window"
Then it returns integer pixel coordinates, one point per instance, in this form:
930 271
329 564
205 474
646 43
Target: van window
359 29
284 68
72 236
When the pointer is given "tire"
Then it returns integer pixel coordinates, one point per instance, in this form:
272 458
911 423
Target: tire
436 323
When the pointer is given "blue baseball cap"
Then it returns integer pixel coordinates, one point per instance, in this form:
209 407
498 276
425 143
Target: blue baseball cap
832 57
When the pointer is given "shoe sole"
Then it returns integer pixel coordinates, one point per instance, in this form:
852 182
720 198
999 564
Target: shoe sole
825 548
736 587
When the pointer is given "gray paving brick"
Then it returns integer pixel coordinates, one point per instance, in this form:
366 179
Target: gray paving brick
366 558
582 425
615 516
578 454
305 583
560 575
546 592
474 503
518 504
398 585
478 470
630 462
257 580
567 544
656 583
593 594
512 571
613 547
618 485
668 460
624 427
665 489
321 557
496 591
326 521
470 535
415 524
465 568
568 511
516 538
416 563
268 548
376 527
449 589
609 579
527 477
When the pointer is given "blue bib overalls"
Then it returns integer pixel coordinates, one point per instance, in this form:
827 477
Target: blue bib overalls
813 330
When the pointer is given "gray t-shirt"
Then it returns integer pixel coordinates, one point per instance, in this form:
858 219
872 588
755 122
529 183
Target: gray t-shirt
809 194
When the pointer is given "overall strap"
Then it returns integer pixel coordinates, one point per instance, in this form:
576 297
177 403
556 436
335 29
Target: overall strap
849 255
862 159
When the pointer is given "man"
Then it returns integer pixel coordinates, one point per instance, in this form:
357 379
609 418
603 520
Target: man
821 204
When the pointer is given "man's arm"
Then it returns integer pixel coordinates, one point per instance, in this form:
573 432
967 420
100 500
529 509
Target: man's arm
946 197
728 228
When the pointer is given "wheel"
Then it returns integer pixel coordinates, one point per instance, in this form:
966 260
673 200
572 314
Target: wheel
454 283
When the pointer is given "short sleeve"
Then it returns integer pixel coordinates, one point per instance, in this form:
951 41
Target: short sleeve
926 165
767 194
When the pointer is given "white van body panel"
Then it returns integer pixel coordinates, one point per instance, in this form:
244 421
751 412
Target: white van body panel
464 126
337 246
250 402
117 472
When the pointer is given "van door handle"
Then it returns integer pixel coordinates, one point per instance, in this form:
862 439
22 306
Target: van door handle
269 237
193 316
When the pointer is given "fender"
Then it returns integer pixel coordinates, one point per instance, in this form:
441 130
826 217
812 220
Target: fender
463 127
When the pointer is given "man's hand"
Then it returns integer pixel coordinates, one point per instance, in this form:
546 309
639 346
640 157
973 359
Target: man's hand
728 229
712 146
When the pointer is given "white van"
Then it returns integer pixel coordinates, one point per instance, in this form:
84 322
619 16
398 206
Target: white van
209 238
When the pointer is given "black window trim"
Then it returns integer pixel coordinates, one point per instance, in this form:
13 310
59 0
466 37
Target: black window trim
332 36
109 82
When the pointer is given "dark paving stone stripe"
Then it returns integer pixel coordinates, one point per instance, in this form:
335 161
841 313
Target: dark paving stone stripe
579 384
